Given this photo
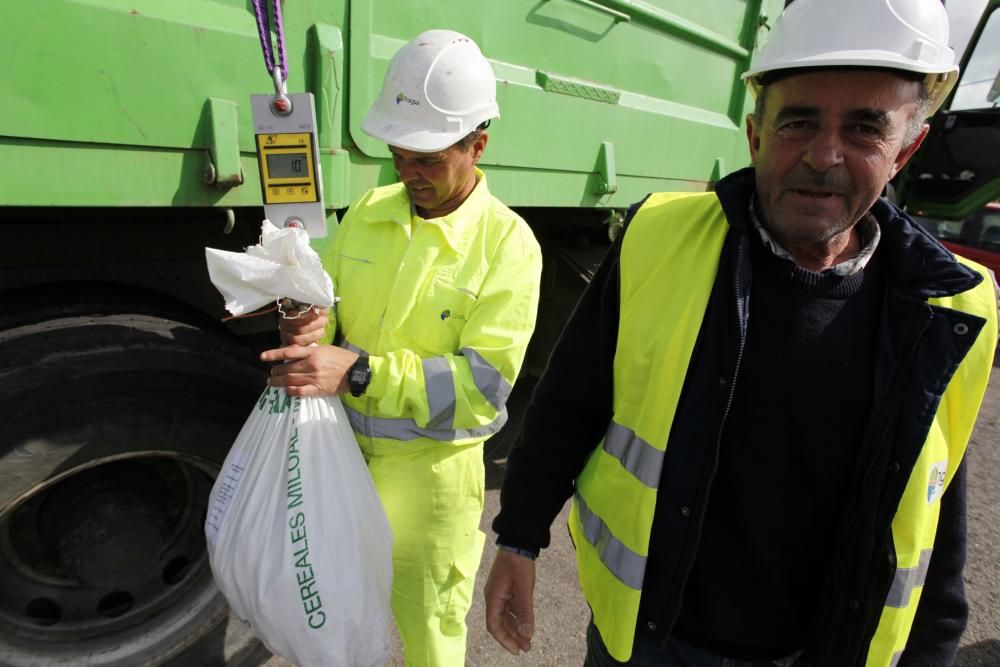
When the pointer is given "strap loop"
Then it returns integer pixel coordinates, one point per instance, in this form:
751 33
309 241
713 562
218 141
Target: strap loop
279 72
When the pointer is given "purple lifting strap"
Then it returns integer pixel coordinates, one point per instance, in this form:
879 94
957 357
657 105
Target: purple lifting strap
260 11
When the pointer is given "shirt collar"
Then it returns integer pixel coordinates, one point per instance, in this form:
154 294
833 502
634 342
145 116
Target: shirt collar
868 230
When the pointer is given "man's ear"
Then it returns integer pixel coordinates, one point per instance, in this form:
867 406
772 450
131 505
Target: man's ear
479 145
906 153
753 138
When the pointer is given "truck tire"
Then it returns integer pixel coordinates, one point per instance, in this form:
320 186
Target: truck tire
116 412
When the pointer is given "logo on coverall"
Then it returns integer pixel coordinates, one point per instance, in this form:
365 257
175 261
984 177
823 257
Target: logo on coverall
409 100
445 314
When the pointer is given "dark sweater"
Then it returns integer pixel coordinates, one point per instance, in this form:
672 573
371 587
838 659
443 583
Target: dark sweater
787 453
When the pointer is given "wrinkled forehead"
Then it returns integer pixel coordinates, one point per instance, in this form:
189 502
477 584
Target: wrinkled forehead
842 88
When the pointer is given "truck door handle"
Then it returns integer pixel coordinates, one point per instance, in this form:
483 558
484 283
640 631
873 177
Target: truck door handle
619 16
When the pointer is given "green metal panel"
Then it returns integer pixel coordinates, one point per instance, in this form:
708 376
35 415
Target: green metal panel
662 88
109 102
136 78
98 175
133 74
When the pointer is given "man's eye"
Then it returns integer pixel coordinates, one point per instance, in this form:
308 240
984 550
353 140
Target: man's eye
867 129
795 128
428 162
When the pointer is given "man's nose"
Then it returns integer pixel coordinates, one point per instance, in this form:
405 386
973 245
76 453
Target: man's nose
825 151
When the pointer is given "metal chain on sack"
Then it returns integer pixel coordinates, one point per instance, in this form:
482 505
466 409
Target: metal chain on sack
278 71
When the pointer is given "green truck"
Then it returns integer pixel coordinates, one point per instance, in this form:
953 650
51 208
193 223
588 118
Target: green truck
126 148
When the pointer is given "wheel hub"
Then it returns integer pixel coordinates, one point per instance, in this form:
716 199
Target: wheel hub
111 538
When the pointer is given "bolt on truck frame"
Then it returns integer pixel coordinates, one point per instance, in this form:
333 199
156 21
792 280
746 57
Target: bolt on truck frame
126 148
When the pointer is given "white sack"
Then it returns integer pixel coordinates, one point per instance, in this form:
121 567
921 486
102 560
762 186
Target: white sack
281 265
297 538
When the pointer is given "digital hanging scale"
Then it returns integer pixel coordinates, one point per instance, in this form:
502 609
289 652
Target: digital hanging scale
288 156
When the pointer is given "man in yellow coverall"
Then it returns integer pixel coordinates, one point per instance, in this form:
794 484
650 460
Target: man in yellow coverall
438 286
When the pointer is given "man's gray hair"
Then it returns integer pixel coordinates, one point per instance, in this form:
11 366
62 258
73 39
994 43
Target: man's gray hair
919 119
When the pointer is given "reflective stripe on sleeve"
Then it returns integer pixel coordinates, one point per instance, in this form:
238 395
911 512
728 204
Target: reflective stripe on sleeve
407 429
488 380
637 456
906 579
440 389
628 566
439 386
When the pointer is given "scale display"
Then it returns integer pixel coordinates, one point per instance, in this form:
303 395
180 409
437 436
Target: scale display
288 165
288 175
291 175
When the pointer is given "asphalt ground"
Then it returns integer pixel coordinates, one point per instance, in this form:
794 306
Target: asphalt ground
561 614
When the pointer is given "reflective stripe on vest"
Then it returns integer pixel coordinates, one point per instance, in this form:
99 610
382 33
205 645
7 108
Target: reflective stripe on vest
671 247
643 462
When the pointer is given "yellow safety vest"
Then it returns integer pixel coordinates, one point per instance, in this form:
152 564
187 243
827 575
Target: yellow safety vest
667 273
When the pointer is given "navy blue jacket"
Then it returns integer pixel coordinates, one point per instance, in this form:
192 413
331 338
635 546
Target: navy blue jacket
917 355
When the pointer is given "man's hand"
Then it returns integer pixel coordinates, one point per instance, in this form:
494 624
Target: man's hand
509 593
305 329
310 371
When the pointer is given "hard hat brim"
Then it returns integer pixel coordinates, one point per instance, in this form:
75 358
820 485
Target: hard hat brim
392 132
875 59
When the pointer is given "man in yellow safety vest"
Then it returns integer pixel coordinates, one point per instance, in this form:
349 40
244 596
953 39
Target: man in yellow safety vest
761 404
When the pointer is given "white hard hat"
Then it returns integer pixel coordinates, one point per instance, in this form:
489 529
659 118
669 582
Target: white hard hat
438 89
909 35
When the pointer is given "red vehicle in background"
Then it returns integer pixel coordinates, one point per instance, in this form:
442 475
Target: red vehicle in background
977 237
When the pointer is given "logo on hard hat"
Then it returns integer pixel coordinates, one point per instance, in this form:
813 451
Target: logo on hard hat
409 100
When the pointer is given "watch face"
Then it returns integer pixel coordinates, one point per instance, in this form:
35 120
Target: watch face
358 378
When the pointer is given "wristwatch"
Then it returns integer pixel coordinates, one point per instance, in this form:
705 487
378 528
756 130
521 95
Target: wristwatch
358 376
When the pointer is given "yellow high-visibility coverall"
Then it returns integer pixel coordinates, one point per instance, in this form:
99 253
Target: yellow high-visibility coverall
444 308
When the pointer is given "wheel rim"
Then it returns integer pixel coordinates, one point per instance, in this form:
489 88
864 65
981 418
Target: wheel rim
106 553
147 392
